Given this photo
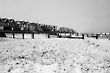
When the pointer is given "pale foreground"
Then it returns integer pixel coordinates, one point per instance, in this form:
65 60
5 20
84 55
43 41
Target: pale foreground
54 56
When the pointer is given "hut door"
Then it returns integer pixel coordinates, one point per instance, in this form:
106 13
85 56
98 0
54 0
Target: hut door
7 28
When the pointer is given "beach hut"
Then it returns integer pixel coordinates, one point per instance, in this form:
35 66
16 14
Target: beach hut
1 25
6 25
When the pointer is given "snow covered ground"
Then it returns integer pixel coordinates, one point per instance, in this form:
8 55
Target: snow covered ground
54 55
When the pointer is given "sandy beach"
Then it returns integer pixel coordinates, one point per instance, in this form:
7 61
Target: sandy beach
55 55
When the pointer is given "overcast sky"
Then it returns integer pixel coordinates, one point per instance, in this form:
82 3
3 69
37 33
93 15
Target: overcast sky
81 15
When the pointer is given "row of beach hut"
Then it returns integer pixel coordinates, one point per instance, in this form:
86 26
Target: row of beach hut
12 26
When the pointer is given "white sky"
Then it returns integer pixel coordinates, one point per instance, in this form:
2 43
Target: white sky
81 15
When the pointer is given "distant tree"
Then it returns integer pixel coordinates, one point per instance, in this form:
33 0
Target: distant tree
66 30
47 28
